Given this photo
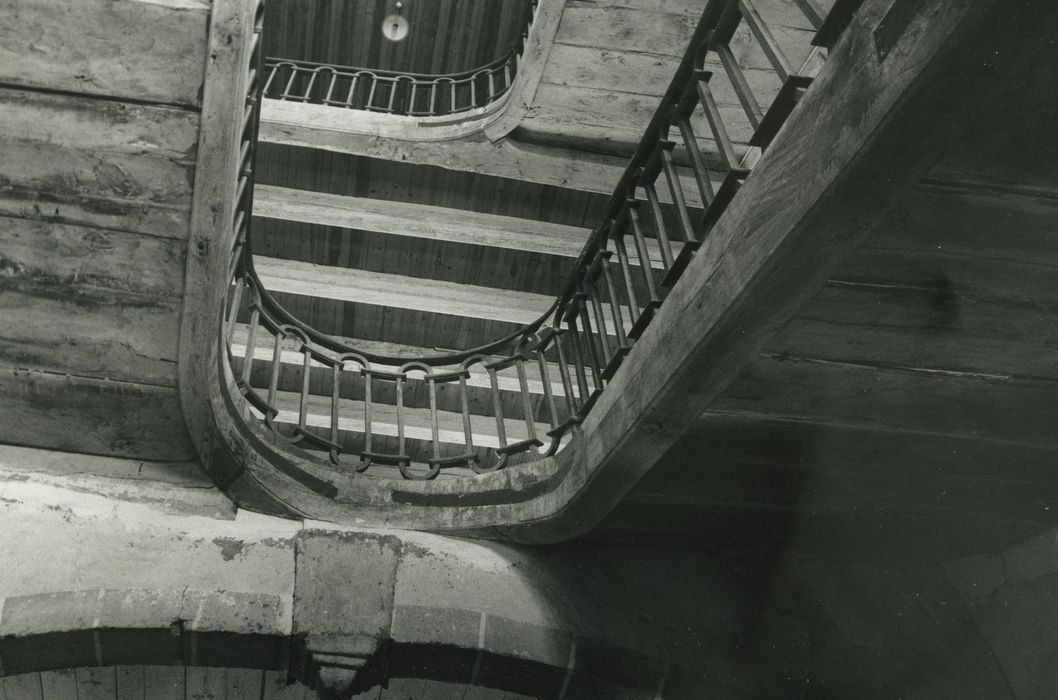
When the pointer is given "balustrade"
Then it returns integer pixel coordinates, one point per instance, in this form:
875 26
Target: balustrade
520 397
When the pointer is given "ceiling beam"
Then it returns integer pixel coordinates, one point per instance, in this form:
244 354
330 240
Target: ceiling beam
399 291
427 222
296 124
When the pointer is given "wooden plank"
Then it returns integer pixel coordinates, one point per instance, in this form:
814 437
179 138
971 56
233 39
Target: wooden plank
277 688
91 416
206 682
146 50
807 206
94 162
911 399
59 684
96 683
109 335
81 255
131 682
424 221
164 682
434 296
507 158
606 27
25 686
244 684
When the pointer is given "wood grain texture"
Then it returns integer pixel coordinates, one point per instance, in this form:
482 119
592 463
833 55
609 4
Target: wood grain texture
109 335
67 254
92 416
144 50
398 291
422 221
91 162
25 686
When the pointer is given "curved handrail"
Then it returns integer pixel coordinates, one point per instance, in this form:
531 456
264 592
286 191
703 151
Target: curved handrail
396 92
572 351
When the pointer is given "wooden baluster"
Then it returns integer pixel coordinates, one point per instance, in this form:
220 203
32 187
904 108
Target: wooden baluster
251 340
433 98
716 122
593 350
303 401
598 317
766 40
393 85
352 90
579 361
330 88
549 393
659 224
497 408
285 95
271 76
468 433
641 251
366 373
626 273
336 387
676 189
563 370
401 449
527 400
742 89
615 305
233 307
813 12
435 428
371 93
701 171
312 83
277 363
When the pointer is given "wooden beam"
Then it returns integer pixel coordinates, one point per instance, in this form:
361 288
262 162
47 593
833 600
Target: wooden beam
286 123
424 221
143 50
91 416
95 162
398 291
828 178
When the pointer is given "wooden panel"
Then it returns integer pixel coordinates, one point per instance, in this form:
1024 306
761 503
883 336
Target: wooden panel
585 24
92 332
59 685
96 683
423 221
93 162
25 686
398 291
148 50
131 683
78 255
864 394
164 682
91 416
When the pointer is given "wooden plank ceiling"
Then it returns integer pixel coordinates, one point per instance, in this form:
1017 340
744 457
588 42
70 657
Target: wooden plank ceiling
100 110
444 36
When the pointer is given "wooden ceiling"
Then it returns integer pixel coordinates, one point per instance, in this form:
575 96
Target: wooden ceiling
444 36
